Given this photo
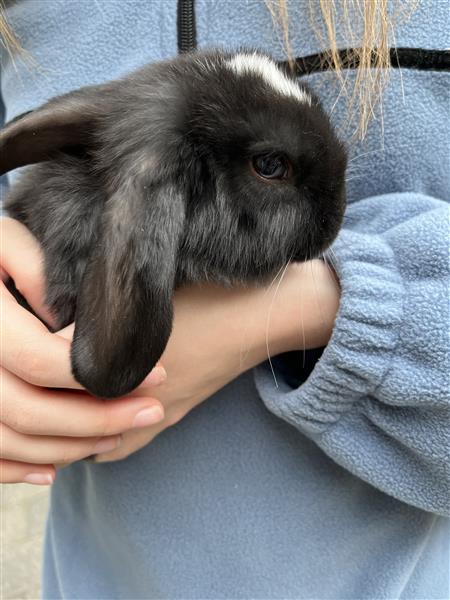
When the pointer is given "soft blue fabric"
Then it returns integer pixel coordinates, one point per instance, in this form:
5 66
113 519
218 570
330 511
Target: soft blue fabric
337 487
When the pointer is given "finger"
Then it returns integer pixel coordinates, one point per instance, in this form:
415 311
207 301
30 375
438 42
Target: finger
47 449
17 472
21 257
35 355
156 377
30 351
132 441
67 332
39 411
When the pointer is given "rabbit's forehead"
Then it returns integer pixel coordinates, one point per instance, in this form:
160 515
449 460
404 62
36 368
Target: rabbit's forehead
264 67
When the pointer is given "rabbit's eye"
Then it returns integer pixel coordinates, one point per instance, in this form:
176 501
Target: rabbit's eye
271 166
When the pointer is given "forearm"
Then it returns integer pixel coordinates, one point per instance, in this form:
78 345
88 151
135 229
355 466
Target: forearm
304 308
241 327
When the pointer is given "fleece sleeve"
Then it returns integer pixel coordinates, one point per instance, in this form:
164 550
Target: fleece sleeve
378 400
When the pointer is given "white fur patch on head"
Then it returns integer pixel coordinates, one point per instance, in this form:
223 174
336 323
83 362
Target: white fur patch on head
266 68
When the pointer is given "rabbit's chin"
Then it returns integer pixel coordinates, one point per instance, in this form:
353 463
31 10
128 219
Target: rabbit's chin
193 272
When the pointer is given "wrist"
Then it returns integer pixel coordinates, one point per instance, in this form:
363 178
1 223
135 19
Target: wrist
295 313
311 302
302 310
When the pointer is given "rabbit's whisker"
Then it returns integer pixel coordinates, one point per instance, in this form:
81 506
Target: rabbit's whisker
243 353
269 318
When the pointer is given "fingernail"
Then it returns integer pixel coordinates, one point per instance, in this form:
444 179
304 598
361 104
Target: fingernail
39 478
148 416
106 444
157 376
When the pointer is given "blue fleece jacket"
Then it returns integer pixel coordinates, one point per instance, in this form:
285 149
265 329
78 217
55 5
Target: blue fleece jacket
336 484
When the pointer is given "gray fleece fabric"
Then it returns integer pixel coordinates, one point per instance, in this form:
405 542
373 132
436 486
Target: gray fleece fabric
336 483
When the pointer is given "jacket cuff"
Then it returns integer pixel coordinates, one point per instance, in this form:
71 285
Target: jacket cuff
364 337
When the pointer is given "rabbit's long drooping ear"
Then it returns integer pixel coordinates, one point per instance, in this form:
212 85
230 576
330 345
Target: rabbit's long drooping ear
124 309
39 134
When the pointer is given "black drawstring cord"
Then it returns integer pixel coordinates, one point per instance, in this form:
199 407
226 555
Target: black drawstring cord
187 35
404 58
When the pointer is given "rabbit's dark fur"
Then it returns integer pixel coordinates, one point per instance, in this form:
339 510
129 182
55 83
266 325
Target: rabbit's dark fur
147 184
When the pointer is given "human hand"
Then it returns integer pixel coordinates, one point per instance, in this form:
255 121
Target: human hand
220 333
42 425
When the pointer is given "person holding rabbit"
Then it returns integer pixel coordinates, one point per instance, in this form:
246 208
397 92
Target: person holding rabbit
320 473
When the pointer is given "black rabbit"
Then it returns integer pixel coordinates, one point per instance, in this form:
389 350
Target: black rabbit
209 167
